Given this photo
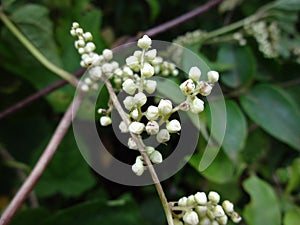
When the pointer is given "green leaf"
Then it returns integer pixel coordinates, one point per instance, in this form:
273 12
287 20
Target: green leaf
294 176
119 212
38 29
264 207
292 217
67 173
35 24
287 5
256 146
274 110
236 130
242 64
221 170
154 8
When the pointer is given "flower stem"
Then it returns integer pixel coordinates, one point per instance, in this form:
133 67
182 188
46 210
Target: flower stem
36 53
142 151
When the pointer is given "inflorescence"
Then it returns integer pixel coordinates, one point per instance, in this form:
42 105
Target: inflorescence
202 209
134 78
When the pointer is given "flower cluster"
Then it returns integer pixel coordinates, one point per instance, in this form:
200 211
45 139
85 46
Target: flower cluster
202 209
134 78
267 37
99 64
193 86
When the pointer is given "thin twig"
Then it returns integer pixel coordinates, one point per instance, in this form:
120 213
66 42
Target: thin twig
183 18
33 201
37 95
42 163
151 32
142 151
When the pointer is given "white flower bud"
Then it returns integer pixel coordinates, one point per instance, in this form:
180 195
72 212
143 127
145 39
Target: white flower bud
214 222
150 86
175 72
95 72
177 222
191 218
156 157
152 127
79 31
136 127
228 207
131 144
107 54
81 51
165 106
84 87
201 210
127 71
157 60
218 211
139 159
87 36
214 197
197 106
201 198
75 25
107 68
151 54
137 54
235 217
138 168
123 127
152 112
147 70
194 73
163 136
129 86
132 61
128 103
134 114
140 99
187 87
213 76
115 65
222 220
79 44
149 150
105 120
144 42
73 32
205 89
173 126
182 201
191 200
90 47
205 221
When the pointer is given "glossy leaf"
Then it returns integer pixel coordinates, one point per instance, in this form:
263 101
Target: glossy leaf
242 64
264 206
292 217
236 130
272 109
294 176
256 146
154 8
221 169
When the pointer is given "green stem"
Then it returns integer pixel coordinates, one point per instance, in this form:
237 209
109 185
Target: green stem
230 27
36 53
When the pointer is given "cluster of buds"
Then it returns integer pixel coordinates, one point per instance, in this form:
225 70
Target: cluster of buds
238 36
267 37
99 65
193 86
134 78
202 209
